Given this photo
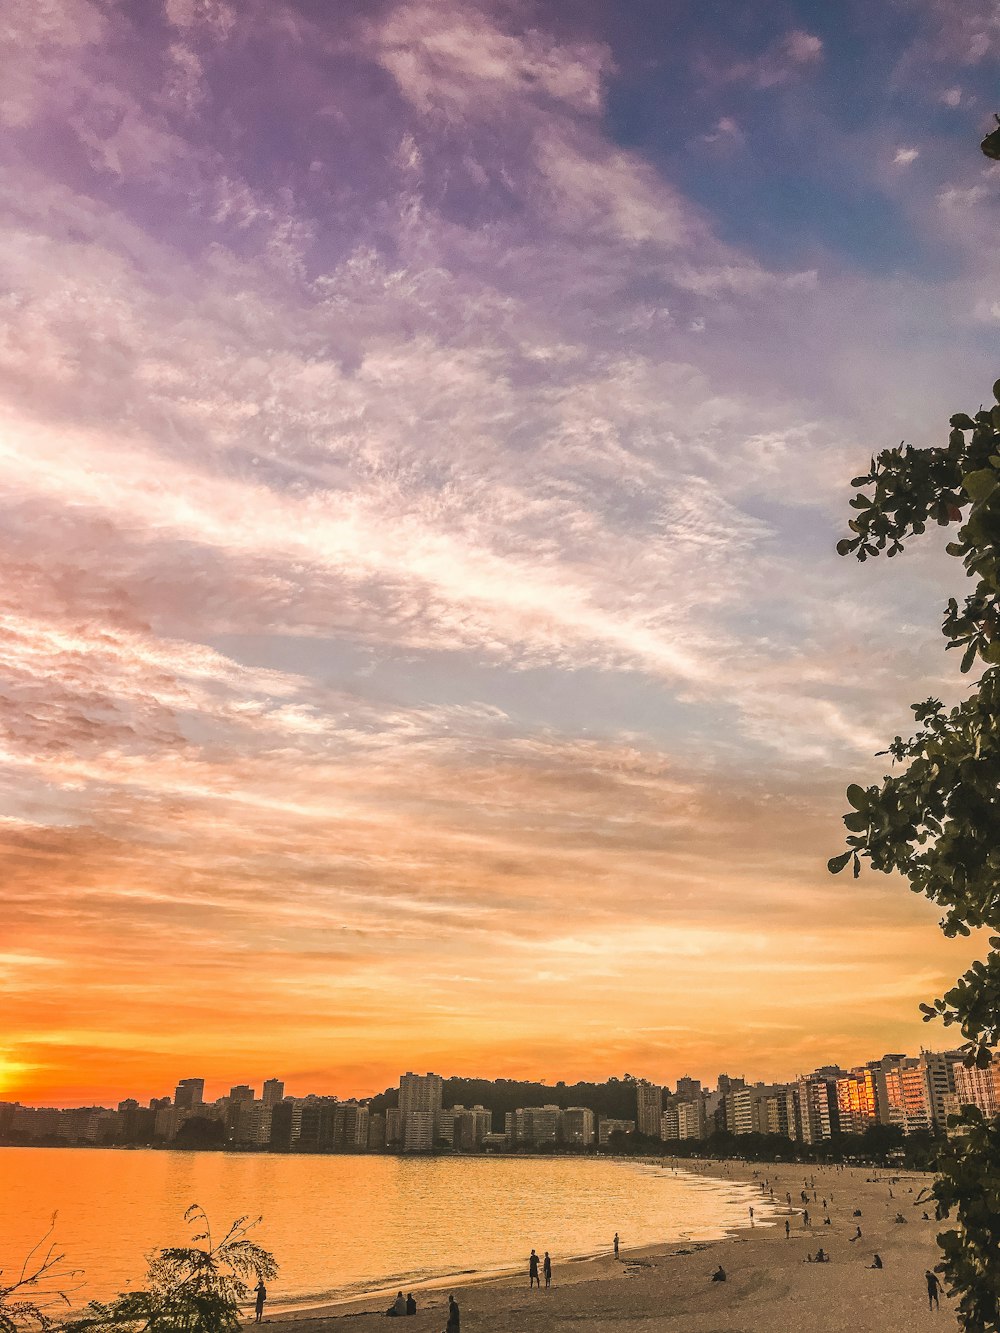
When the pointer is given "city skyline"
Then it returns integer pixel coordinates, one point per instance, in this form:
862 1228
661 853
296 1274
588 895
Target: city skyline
426 430
683 1083
907 1095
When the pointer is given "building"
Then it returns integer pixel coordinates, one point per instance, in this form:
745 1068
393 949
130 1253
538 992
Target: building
393 1127
286 1122
472 1127
189 1092
726 1084
979 1087
376 1130
819 1115
762 1109
908 1095
648 1108
241 1093
420 1092
858 1102
532 1126
250 1124
688 1088
670 1124
274 1091
609 1126
420 1097
418 1131
353 1126
691 1119
942 1068
576 1125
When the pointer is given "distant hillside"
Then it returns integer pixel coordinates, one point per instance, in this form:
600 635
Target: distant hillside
616 1098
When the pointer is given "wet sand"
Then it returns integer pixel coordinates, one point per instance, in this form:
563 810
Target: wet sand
667 1287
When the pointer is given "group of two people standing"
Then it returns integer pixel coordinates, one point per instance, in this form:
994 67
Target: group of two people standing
533 1261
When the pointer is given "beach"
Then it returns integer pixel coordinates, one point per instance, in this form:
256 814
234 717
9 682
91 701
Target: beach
668 1286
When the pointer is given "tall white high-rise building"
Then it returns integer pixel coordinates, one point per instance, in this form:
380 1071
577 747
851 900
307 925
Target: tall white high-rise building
420 1097
420 1092
648 1108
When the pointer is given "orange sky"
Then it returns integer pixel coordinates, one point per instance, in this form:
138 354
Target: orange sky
422 640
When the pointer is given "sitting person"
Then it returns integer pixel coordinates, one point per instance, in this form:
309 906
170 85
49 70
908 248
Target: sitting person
398 1306
877 1261
857 1212
411 1305
901 1218
821 1256
719 1275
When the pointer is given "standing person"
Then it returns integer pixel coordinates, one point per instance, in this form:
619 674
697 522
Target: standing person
933 1287
454 1316
616 1244
260 1292
533 1279
547 1269
751 1215
788 1228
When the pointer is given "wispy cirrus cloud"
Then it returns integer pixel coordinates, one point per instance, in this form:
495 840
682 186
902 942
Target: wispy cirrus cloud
418 510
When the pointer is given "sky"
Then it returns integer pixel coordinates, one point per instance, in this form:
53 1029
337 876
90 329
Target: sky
425 429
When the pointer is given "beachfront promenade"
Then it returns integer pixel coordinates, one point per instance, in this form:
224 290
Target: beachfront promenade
769 1286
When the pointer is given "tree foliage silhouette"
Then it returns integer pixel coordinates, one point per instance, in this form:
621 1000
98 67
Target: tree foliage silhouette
196 1288
29 1299
937 820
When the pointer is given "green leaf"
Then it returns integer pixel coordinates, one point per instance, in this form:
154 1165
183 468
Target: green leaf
857 796
980 485
963 421
836 863
856 823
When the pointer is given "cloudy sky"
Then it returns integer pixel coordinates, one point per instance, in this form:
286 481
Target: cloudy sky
425 432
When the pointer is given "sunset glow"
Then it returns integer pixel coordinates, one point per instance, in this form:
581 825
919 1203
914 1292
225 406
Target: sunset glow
424 434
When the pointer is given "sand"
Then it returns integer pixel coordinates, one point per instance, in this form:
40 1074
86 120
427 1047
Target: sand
769 1285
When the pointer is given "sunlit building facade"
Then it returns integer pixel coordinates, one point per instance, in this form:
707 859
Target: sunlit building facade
858 1100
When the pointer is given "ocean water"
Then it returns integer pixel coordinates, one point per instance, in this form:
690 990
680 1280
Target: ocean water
344 1225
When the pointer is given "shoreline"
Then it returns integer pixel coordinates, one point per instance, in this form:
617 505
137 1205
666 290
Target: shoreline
767 1214
322 1307
666 1284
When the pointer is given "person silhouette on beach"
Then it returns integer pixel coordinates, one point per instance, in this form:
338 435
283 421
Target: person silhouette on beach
876 1261
398 1307
788 1228
933 1287
616 1244
454 1316
719 1275
547 1269
533 1279
411 1304
260 1293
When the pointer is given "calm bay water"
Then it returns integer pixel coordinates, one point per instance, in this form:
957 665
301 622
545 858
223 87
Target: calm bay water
342 1225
